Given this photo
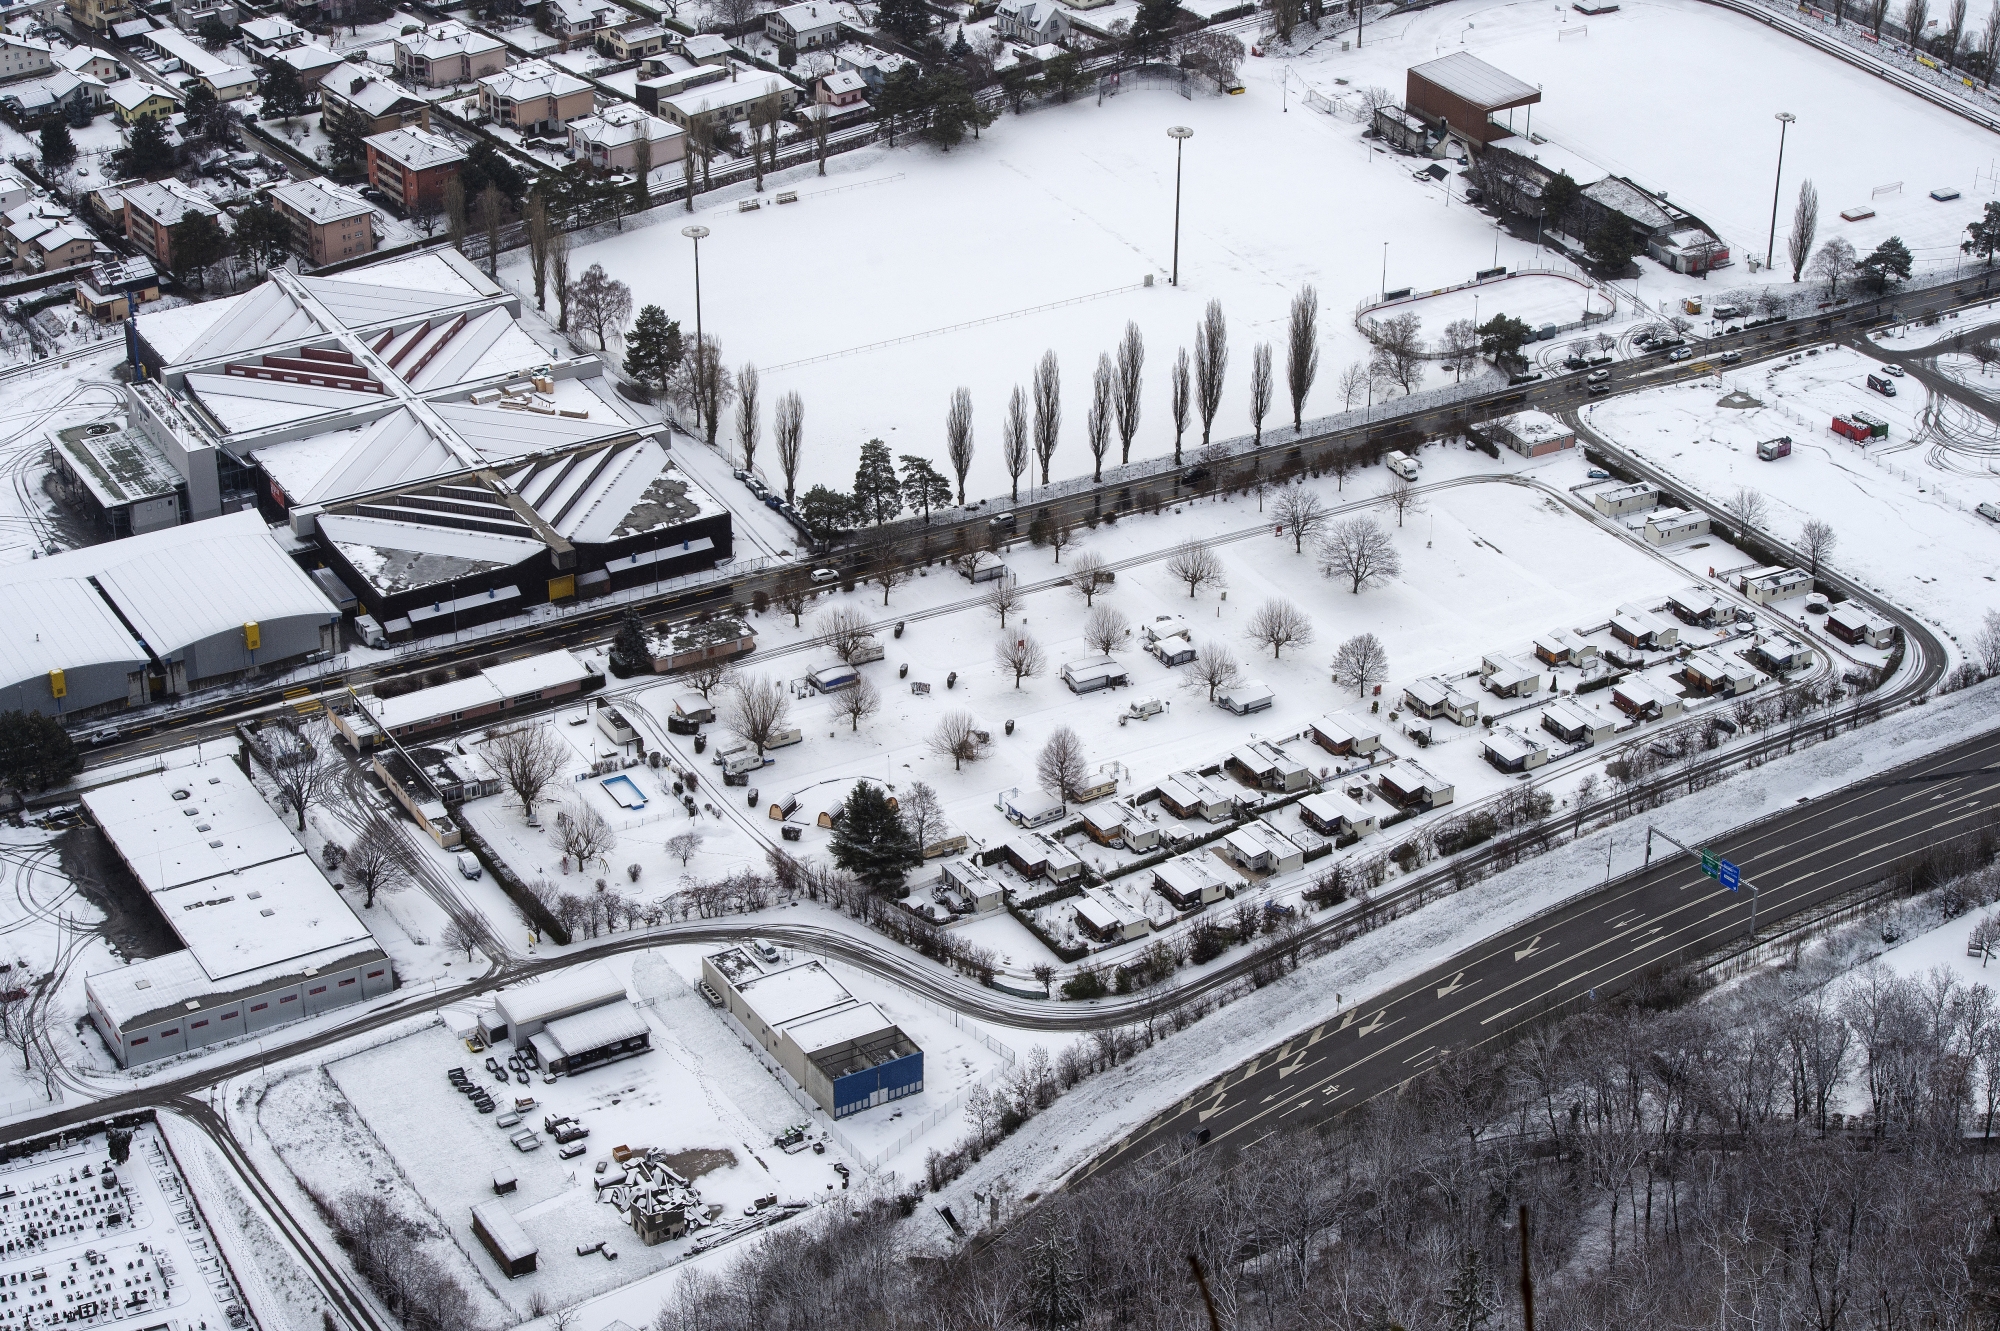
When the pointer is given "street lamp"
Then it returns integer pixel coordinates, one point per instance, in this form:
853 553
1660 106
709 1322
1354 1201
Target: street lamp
1180 134
1785 119
695 234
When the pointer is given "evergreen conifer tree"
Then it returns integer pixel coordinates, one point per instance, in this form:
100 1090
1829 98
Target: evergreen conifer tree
653 347
58 148
629 652
878 495
35 752
870 841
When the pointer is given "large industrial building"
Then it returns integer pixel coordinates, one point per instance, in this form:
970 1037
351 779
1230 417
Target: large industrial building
573 1021
128 622
438 460
268 938
844 1053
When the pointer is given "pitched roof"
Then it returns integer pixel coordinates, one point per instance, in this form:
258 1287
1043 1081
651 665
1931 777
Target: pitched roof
1465 75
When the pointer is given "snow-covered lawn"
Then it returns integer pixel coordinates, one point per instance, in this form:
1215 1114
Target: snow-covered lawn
1906 527
1536 298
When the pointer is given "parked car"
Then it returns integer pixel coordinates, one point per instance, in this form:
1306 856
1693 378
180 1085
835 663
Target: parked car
765 949
1991 512
468 864
1894 371
572 1151
1598 474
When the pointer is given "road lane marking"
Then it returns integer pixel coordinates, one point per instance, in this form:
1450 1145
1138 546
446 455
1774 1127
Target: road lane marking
1457 983
1530 950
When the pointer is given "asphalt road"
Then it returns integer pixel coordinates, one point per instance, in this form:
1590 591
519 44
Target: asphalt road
1798 859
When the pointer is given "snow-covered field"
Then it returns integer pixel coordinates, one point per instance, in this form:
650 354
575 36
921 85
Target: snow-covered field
1077 201
1905 527
1535 298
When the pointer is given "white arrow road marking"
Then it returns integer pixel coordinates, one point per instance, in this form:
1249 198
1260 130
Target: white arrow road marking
1377 1023
1529 950
1204 1115
1457 983
1297 1064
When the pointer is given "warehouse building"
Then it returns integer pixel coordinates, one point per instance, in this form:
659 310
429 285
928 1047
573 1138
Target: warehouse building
267 938
401 420
489 695
502 1236
130 622
844 1053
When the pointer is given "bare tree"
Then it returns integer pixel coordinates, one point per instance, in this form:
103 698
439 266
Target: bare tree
459 938
1058 536
539 228
1302 513
923 814
1260 389
527 758
1130 380
1805 227
1089 574
1361 661
959 738
1211 364
1196 565
1987 644
1279 624
856 704
1302 351
1403 497
1747 508
1399 349
1459 345
581 832
1020 655
302 761
1003 598
793 595
1105 630
788 423
958 436
602 304
1061 768
845 631
703 385
708 676
1832 261
1214 667
1352 380
1048 410
559 258
376 862
757 710
1014 442
1097 421
1360 552
749 429
1182 397
683 846
1816 541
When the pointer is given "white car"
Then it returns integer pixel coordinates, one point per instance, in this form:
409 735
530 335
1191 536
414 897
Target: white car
468 864
825 575
1894 371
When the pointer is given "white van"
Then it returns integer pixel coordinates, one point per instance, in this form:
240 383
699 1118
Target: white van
468 864
1991 512
1401 464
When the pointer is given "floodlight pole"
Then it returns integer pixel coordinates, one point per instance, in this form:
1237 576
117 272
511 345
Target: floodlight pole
1180 134
695 234
1785 120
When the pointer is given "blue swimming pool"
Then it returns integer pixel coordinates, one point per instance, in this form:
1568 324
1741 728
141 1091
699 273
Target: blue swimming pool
625 790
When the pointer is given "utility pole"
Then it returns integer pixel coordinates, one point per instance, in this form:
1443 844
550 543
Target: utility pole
1180 134
1785 121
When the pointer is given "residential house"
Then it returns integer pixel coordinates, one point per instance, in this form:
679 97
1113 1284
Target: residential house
1433 698
725 104
100 15
842 88
1560 647
708 48
23 56
1175 651
1669 525
1702 608
1187 881
1268 767
804 27
1347 738
1712 672
1106 918
41 236
576 22
979 888
412 166
1030 806
1623 499
1766 585
1573 723
1032 22
1781 653
311 62
154 209
609 140
632 41
1035 855
1250 696
1189 794
873 64
59 93
535 96
356 102
1261 848
1636 626
447 54
328 222
14 189
1855 625
1512 751
1409 786
1637 696
1093 673
262 38
1120 822
1508 677
110 292
92 63
133 100
1530 433
1333 814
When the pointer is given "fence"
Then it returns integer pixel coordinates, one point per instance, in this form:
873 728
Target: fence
958 327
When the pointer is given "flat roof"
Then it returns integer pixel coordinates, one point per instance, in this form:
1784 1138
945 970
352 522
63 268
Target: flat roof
505 1231
560 993
512 679
784 996
126 994
597 1028
118 465
1465 75
223 867
829 1030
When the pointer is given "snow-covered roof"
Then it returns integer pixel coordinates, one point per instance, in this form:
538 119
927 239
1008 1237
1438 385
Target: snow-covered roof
168 201
505 1231
564 992
223 867
311 58
512 680
813 16
265 31
60 624
829 1030
1573 715
619 124
531 79
415 149
449 38
1466 76
1331 806
320 200
131 94
1511 746
1621 196
844 81
1554 158
596 1028
711 97
784 996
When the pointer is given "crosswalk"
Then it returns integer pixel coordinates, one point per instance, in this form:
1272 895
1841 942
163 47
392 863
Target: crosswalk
302 701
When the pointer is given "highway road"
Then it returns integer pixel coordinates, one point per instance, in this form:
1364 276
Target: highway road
1591 947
